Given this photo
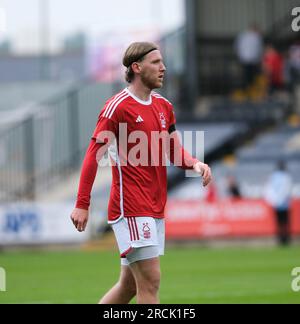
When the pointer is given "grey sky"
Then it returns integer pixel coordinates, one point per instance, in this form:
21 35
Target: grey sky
94 16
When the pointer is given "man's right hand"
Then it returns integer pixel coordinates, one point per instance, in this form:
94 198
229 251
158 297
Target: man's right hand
80 218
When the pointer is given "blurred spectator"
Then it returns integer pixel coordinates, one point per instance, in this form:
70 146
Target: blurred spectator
278 195
249 48
273 68
233 187
293 64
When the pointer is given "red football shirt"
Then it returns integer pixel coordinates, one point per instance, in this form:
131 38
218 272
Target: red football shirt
139 185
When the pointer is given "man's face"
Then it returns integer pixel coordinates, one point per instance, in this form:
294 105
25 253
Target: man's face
152 70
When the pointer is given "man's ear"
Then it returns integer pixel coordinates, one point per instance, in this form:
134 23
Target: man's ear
136 68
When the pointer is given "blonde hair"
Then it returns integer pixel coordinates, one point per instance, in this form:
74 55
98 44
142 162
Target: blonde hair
136 53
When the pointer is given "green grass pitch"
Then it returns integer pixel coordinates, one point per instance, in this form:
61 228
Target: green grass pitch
189 275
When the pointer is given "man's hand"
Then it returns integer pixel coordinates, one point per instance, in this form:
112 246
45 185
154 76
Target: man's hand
79 218
204 170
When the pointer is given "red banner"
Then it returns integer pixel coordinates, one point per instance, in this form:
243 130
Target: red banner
192 219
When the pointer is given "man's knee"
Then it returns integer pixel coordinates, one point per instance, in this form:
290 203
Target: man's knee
155 281
150 281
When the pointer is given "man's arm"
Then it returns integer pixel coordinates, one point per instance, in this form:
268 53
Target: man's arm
80 214
182 159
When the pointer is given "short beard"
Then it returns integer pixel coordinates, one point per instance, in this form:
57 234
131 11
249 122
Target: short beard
148 83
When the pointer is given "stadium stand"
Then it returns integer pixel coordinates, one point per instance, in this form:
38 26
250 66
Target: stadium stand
253 164
267 110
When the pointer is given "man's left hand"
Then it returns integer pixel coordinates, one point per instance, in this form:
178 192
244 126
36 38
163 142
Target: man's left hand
204 170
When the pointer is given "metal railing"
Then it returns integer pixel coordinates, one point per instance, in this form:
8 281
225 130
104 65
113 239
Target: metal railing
49 141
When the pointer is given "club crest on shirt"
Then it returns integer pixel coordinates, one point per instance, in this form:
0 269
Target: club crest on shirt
162 120
146 231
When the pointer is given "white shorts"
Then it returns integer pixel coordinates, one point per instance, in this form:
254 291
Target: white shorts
133 233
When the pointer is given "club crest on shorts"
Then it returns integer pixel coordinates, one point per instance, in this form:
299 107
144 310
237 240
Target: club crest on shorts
146 231
162 120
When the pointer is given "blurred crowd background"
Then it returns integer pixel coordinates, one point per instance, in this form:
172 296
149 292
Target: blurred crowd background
233 71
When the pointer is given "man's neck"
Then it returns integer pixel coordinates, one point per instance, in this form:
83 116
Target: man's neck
140 91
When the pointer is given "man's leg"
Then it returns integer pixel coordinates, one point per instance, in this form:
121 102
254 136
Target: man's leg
285 230
283 227
123 291
147 277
